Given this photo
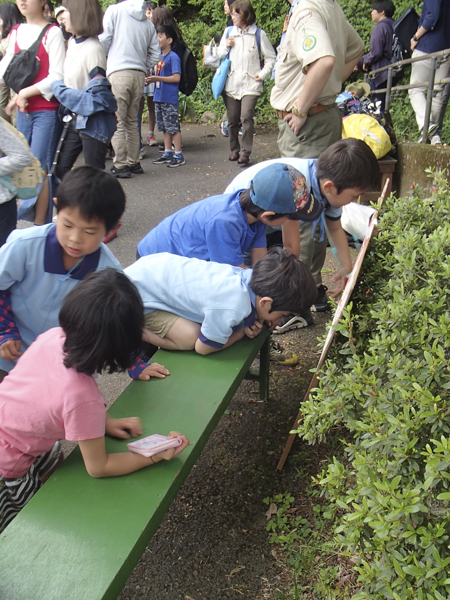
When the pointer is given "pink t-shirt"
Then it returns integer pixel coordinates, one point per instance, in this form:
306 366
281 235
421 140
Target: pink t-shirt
41 401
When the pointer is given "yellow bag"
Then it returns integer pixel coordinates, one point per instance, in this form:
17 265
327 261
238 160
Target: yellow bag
366 128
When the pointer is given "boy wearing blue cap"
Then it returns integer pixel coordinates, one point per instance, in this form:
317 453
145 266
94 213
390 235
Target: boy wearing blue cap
339 176
221 228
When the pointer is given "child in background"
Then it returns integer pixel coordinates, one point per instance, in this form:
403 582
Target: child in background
52 394
40 265
167 78
380 47
207 306
222 228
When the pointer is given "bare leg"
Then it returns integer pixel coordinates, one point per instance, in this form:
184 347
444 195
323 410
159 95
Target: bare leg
181 336
177 141
167 142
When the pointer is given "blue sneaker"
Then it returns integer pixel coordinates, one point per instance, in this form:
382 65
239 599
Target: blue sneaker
224 128
163 159
177 161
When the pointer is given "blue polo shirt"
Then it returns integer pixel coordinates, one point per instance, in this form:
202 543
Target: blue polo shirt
215 228
216 295
34 283
435 17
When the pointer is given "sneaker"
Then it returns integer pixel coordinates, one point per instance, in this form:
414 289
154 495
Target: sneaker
436 140
282 356
224 128
177 161
322 303
136 169
113 233
142 154
123 173
162 160
431 131
151 140
291 322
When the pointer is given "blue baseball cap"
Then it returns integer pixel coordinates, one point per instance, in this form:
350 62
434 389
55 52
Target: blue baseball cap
281 188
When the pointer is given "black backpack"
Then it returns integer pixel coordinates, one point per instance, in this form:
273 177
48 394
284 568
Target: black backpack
404 29
189 75
24 65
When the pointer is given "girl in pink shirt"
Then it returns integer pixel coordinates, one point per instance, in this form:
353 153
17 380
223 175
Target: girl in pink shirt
51 393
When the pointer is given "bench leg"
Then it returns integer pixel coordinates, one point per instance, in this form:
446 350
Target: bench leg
264 361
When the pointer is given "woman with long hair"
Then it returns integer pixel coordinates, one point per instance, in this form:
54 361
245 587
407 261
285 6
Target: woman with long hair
85 92
37 116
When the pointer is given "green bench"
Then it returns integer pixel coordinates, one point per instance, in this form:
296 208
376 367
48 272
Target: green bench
79 538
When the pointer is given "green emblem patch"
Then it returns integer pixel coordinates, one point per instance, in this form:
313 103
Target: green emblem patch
309 43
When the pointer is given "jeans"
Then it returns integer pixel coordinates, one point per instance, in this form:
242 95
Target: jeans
41 130
94 151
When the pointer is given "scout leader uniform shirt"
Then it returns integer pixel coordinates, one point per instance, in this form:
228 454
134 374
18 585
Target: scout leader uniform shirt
317 28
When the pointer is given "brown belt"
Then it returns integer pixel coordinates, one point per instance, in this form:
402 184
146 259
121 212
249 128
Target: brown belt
312 111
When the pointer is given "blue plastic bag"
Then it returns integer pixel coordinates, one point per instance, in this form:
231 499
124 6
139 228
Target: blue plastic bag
220 77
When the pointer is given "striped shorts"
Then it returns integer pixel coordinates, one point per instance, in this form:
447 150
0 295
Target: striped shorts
15 493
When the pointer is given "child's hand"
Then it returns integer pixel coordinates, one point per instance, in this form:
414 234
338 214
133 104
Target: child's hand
10 350
171 452
257 78
123 428
254 330
151 79
154 370
340 279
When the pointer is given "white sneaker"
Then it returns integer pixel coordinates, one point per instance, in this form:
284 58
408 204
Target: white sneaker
436 140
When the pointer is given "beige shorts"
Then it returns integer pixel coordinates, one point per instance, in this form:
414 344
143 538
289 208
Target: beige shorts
160 321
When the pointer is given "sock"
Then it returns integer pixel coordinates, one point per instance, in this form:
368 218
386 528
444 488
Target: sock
169 151
150 133
178 154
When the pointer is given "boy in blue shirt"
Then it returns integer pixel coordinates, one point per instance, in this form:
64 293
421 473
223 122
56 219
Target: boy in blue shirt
194 304
165 98
339 176
39 266
221 228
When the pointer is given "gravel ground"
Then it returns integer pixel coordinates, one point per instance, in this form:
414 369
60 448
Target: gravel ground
212 543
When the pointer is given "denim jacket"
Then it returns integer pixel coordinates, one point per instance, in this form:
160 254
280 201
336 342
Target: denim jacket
95 107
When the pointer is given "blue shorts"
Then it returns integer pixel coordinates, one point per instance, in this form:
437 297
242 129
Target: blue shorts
167 117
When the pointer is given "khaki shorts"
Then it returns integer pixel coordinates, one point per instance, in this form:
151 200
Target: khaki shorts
160 321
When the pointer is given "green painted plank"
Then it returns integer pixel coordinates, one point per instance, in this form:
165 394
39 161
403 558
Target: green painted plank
80 538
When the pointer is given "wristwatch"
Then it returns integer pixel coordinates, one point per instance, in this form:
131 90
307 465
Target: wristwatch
415 38
297 113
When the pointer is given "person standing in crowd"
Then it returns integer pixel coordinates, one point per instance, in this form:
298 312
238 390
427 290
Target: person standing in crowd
432 35
217 38
252 58
131 46
9 17
149 90
85 89
380 46
14 155
319 51
37 116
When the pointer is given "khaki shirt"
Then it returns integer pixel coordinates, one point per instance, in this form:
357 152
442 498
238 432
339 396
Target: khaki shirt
317 28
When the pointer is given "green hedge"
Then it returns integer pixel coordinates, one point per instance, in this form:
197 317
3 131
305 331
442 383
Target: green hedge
385 388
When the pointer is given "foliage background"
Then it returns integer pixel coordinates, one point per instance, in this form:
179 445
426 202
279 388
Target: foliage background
200 20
